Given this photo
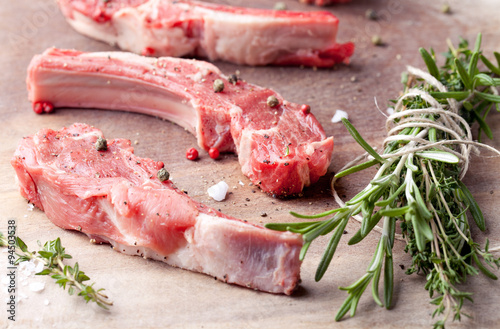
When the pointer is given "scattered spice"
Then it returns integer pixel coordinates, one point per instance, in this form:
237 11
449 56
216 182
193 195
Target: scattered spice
272 101
101 144
218 85
280 6
306 109
446 9
233 78
213 153
192 154
377 40
43 107
263 214
371 14
163 175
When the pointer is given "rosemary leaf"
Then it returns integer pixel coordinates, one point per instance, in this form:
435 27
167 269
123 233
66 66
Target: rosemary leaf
421 190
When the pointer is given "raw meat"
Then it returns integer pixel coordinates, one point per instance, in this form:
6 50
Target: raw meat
114 196
281 149
217 32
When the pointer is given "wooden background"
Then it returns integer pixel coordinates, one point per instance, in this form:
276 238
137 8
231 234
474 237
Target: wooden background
150 294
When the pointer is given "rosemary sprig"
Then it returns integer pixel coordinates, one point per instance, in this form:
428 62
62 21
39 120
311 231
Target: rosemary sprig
420 186
53 255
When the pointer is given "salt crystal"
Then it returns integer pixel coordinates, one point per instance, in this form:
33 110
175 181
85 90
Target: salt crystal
38 265
390 110
339 114
37 286
218 191
46 302
241 183
21 296
31 207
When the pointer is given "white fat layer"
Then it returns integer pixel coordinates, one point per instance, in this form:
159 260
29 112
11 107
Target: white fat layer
131 34
250 39
208 250
110 211
115 93
244 149
89 27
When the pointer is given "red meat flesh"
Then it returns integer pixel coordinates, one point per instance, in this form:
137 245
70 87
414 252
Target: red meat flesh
281 149
191 28
114 196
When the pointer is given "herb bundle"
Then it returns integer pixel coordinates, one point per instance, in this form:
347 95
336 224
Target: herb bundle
418 184
53 255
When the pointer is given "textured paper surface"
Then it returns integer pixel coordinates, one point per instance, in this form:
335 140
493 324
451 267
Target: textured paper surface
149 294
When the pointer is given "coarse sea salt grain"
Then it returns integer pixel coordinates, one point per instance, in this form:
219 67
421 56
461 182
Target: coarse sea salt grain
46 302
339 114
31 207
390 110
21 296
218 191
38 265
37 286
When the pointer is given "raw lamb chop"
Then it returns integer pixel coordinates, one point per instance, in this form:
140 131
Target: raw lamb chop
114 196
217 32
280 148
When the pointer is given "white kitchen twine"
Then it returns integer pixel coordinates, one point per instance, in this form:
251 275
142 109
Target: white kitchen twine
449 121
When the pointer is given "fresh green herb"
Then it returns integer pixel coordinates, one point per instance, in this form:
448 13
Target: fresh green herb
53 255
418 184
3 240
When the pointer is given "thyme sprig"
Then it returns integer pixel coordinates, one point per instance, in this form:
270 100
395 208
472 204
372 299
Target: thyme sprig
418 184
52 255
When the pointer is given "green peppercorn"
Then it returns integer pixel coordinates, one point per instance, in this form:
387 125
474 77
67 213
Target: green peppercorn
371 14
377 40
163 175
218 85
101 144
280 6
272 101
